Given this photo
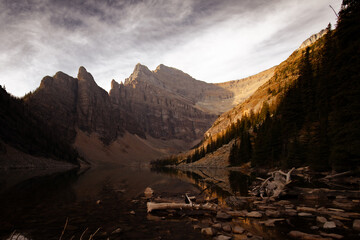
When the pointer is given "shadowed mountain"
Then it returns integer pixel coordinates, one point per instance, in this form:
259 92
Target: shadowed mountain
158 112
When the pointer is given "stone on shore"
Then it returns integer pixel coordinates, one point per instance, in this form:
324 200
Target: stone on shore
321 219
238 230
222 237
223 216
356 224
272 213
329 225
208 231
254 214
216 226
226 228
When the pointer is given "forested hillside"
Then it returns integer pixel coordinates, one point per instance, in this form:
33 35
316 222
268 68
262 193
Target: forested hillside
317 120
24 131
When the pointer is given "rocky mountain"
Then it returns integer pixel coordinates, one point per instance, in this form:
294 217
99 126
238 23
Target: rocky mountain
165 110
313 38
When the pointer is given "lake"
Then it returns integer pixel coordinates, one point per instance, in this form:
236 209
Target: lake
109 202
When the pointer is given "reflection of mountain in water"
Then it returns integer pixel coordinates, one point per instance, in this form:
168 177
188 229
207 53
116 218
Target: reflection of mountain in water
216 183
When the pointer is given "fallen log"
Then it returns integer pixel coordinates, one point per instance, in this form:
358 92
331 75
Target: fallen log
151 206
274 185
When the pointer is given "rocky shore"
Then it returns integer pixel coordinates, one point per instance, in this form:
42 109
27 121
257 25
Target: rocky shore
326 207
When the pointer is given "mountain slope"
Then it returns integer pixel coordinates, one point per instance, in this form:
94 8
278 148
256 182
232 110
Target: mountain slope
315 119
26 140
164 107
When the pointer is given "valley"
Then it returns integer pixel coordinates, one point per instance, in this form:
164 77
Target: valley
162 155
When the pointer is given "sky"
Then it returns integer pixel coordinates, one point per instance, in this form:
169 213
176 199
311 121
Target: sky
212 40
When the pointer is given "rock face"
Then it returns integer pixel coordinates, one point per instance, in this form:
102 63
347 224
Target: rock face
313 38
164 104
69 103
94 111
55 101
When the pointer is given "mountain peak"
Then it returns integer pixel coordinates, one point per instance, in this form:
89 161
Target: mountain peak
141 68
114 84
84 75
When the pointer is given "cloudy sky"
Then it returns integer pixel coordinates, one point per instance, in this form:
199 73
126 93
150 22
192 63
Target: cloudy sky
212 40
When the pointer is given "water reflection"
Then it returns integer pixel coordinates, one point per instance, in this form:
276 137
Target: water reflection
239 183
216 183
37 204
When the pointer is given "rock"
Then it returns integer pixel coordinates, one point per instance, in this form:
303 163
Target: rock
226 228
98 202
272 213
208 231
196 227
329 225
117 231
216 226
305 209
332 235
241 213
132 212
240 237
321 219
148 192
314 227
223 216
290 212
254 214
271 222
222 237
238 230
356 225
338 223
305 214
313 38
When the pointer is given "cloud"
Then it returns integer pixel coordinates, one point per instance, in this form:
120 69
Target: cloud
212 40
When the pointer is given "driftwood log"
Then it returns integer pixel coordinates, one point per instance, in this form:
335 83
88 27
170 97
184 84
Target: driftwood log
274 185
151 206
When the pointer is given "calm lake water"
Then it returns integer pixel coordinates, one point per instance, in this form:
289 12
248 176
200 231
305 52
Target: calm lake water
110 202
